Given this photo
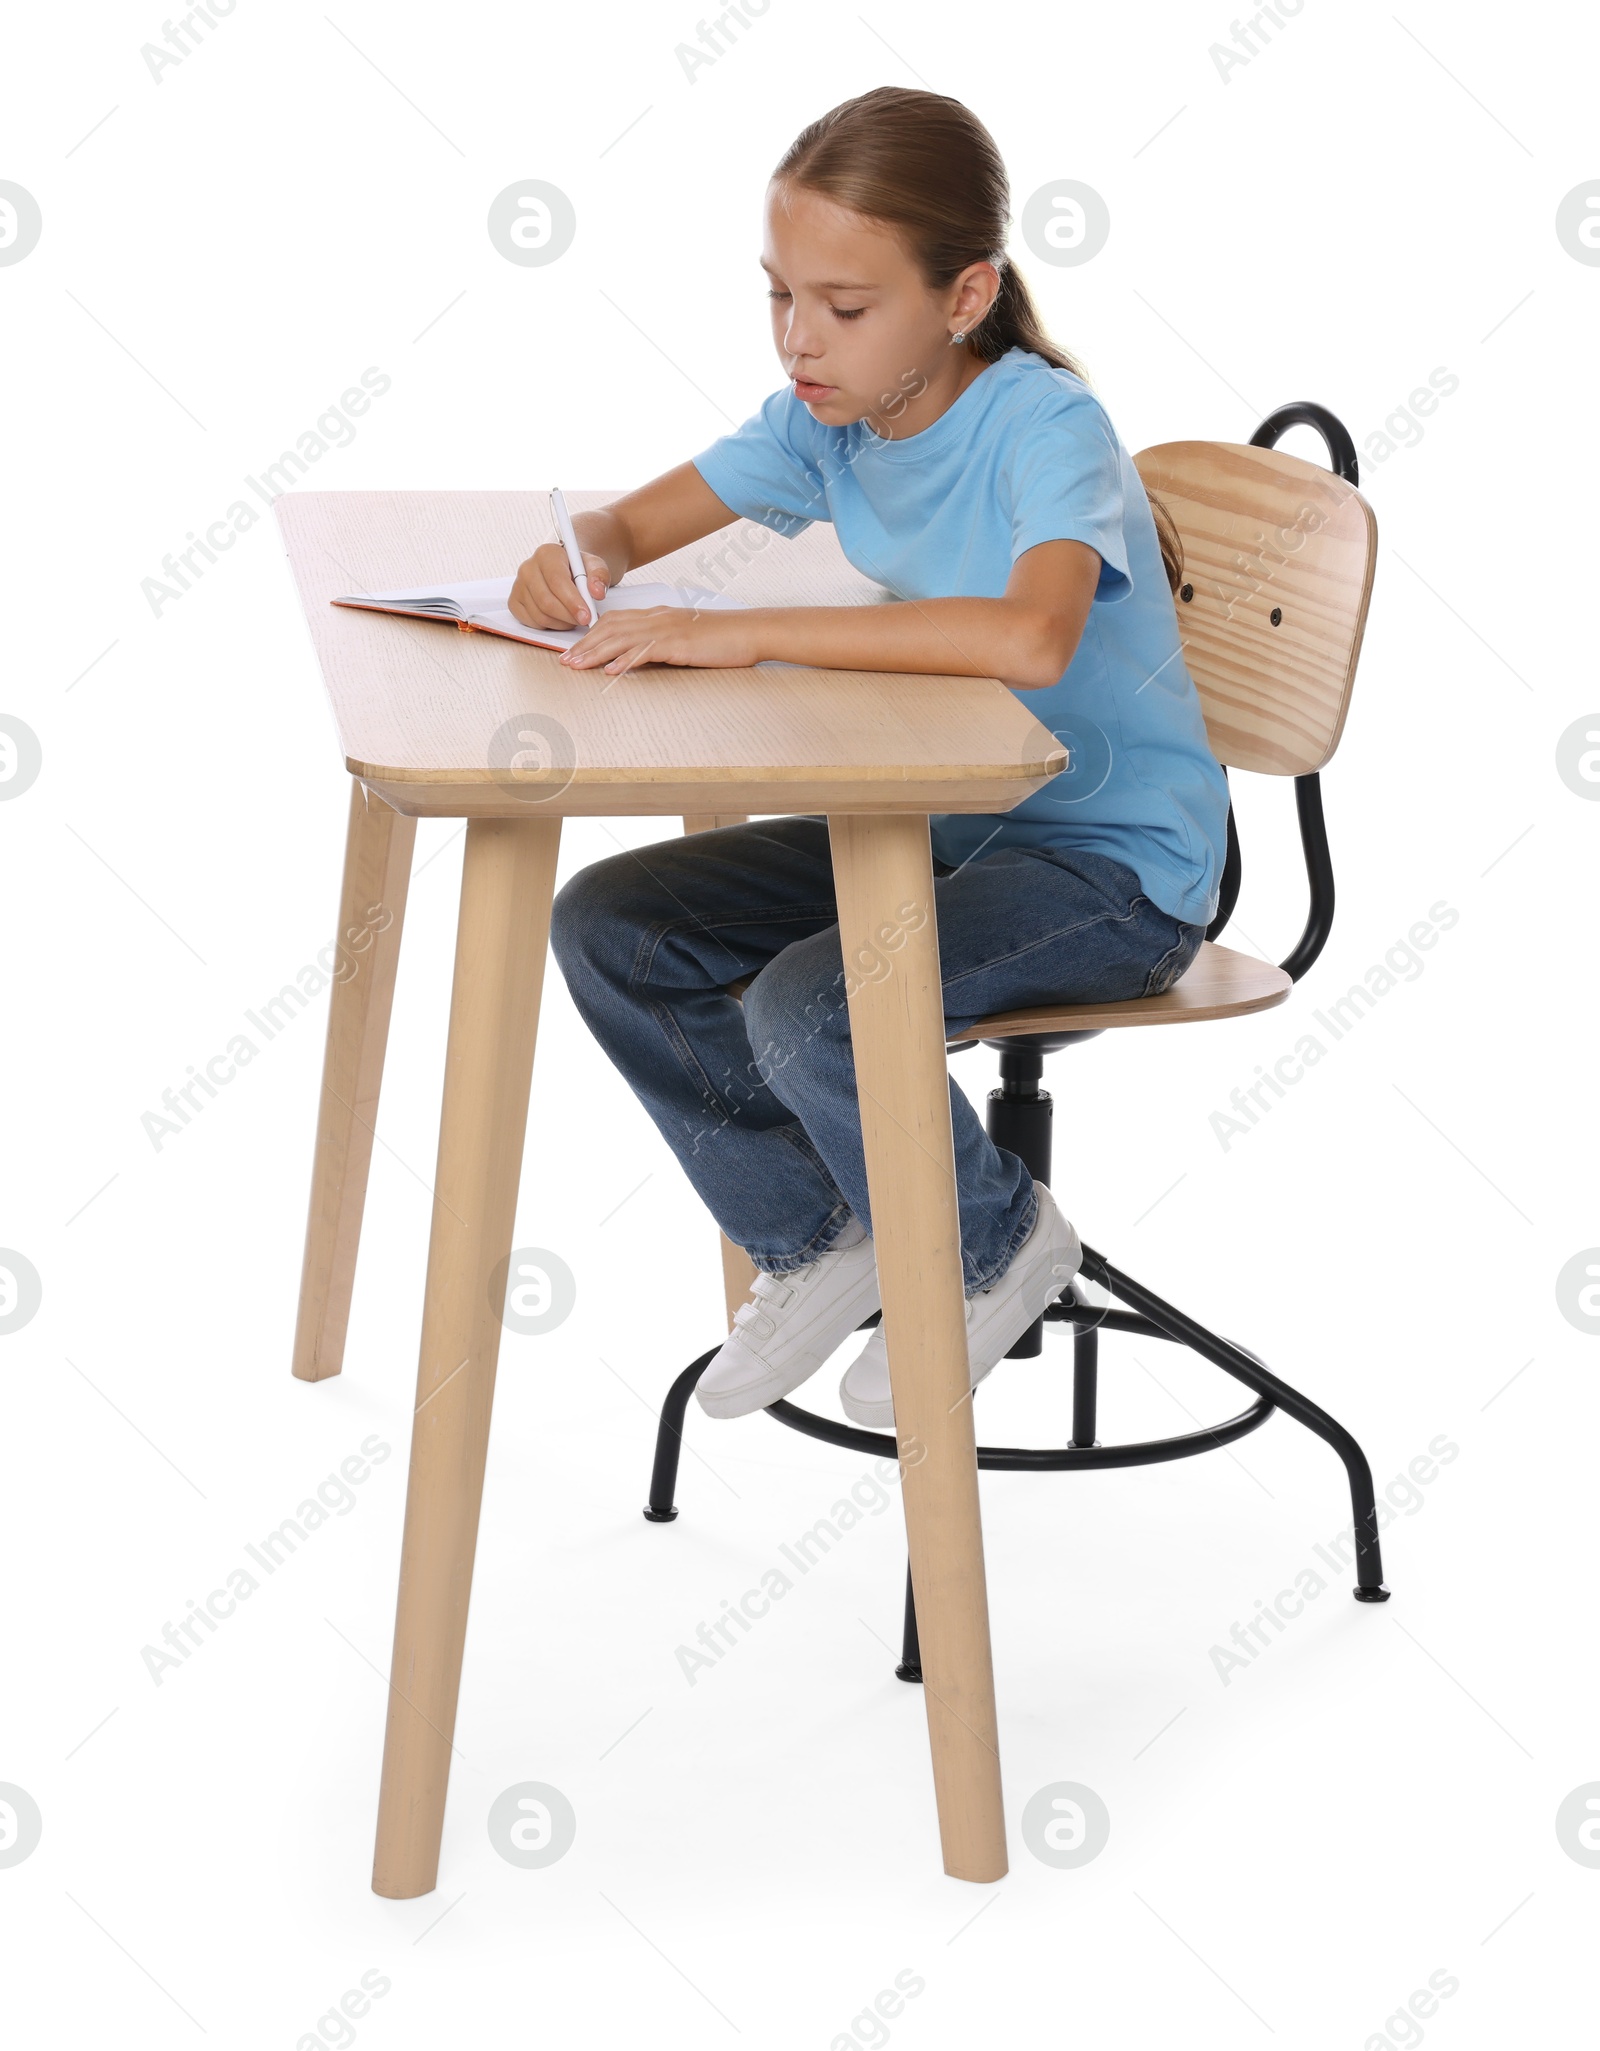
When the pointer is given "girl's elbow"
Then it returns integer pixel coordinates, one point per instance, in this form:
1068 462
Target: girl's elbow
1042 656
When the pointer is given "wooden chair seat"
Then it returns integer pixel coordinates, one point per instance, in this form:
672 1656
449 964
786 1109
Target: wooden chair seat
1218 983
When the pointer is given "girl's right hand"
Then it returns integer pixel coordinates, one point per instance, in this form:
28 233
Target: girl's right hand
544 594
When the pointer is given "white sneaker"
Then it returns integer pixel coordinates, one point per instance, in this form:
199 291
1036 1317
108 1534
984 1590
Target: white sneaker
997 1316
787 1327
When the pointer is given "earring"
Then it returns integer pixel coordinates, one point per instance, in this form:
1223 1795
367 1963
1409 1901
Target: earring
960 337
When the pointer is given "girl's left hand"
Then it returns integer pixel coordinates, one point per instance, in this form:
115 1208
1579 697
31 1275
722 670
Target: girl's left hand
621 641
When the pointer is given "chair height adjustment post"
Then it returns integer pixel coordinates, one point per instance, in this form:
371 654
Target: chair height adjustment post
1018 1118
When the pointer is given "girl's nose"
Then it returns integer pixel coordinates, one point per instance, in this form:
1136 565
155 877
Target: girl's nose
798 339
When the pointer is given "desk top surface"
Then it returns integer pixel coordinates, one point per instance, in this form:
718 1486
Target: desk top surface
441 721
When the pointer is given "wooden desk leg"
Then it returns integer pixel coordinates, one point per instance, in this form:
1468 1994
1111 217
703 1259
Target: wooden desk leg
883 876
377 875
507 882
738 1269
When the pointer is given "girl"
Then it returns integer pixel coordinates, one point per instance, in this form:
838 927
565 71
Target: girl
968 468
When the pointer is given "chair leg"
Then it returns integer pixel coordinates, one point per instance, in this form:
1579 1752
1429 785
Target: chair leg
1243 1367
1085 1384
669 1431
910 1667
669 1441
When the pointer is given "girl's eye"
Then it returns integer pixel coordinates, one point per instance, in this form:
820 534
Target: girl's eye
841 312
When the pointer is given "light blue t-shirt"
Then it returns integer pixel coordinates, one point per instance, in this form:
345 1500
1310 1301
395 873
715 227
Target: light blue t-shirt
1026 454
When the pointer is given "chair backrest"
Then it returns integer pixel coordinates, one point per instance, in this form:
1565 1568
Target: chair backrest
1277 572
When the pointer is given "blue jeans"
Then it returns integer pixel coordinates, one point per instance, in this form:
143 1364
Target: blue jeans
758 1100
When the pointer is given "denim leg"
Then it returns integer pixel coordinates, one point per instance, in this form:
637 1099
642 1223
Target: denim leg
796 1013
758 1101
647 941
1020 927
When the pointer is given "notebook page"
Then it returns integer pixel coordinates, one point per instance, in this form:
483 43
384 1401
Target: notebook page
623 598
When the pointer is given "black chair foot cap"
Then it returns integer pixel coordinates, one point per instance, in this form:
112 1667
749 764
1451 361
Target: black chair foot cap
907 1673
656 1516
1378 1594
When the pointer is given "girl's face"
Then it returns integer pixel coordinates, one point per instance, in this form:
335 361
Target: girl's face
856 328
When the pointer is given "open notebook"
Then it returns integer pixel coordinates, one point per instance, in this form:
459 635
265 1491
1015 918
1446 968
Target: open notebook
480 606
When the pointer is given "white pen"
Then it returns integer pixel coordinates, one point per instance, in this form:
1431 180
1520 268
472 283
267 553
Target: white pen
569 541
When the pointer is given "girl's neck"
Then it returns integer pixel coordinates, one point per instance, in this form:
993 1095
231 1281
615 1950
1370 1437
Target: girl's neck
931 403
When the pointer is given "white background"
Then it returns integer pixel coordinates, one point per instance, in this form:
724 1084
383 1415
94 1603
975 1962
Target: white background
1291 1854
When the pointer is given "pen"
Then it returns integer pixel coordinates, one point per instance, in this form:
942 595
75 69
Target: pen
569 541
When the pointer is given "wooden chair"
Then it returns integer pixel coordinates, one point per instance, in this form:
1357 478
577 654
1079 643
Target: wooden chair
1278 559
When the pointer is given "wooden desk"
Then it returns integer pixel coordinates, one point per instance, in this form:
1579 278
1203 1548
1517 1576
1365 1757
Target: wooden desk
467 725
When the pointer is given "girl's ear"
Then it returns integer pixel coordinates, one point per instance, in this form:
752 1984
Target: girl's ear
976 292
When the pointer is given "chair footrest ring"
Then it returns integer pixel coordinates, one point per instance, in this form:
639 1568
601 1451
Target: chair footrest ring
1038 1459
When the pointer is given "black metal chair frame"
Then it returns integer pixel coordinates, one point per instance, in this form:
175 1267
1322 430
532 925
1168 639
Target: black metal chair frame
1018 1118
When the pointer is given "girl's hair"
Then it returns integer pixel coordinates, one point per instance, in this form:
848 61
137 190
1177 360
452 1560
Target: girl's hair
925 165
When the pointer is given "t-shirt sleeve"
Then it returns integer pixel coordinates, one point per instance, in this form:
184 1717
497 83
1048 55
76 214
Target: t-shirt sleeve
1067 485
766 470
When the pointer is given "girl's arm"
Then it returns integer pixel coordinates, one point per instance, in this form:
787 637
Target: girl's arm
1026 638
667 513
